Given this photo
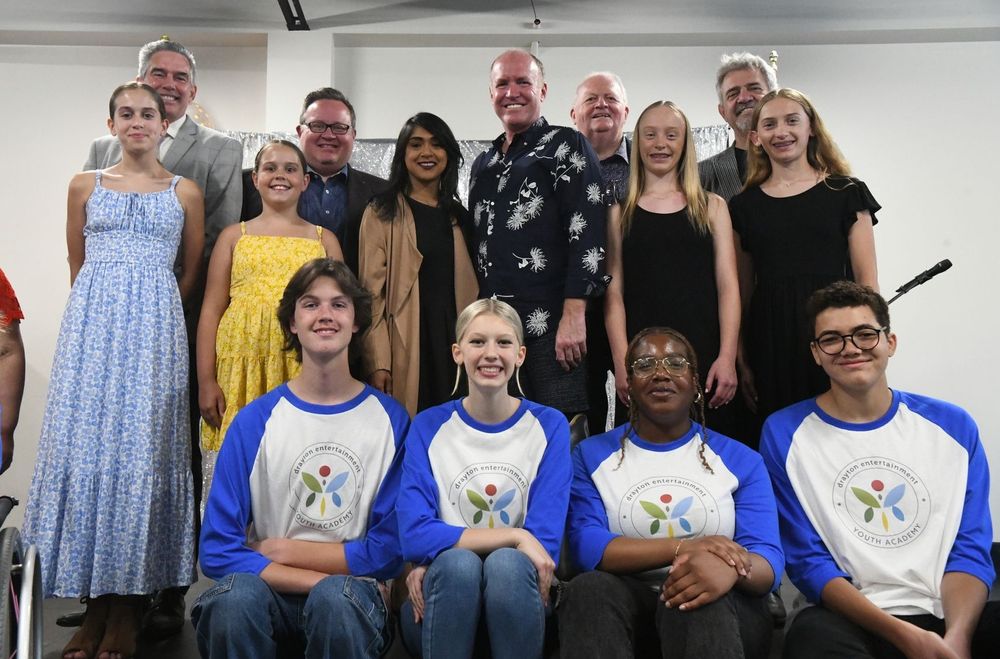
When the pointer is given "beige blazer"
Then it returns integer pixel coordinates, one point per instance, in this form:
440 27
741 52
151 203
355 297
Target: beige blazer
392 342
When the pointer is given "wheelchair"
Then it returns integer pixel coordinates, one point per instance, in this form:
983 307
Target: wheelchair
21 605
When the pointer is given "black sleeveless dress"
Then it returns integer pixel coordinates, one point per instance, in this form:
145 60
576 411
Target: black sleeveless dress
669 280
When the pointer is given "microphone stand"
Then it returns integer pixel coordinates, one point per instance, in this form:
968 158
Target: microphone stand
922 278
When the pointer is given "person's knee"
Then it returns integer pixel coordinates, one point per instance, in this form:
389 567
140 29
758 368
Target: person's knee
233 603
455 568
506 563
589 592
510 577
346 612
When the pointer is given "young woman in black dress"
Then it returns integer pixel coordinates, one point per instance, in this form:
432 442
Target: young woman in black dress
672 260
803 222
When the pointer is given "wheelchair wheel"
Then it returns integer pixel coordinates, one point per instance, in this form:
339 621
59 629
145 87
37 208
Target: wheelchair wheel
10 559
29 629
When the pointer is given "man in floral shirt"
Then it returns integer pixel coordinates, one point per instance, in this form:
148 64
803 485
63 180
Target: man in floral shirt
539 216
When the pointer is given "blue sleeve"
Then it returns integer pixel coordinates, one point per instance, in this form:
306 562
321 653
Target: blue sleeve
228 511
971 551
583 214
807 559
589 533
756 512
548 496
378 553
423 535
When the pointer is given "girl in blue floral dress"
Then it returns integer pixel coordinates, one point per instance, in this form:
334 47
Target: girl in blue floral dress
110 506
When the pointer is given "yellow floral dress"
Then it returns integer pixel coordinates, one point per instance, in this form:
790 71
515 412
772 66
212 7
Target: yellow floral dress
249 360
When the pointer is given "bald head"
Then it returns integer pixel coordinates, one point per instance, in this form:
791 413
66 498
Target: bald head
600 111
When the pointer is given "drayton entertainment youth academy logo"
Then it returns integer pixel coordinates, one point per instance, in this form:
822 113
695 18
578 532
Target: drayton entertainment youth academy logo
324 482
881 501
668 507
490 495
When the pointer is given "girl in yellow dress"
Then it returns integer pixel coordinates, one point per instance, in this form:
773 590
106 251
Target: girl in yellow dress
240 349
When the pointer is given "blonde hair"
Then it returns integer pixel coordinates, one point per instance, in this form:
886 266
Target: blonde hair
687 176
497 308
489 305
822 152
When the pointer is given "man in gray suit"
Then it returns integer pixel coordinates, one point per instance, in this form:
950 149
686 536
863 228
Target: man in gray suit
741 82
206 156
213 161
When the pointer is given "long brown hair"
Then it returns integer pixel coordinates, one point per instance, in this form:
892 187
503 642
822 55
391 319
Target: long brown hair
697 405
687 176
822 152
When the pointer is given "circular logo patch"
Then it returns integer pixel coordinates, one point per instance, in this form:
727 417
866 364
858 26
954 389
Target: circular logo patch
881 501
490 495
325 482
668 508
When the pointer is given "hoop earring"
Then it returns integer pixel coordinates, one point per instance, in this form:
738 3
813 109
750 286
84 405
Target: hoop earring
517 380
458 378
697 398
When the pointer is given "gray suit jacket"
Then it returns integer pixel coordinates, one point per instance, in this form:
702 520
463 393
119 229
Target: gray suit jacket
720 175
207 157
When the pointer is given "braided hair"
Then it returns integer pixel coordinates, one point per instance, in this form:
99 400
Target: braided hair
697 405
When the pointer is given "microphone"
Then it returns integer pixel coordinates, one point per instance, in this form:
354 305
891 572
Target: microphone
922 278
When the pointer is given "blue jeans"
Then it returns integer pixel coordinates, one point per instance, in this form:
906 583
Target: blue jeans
241 616
459 588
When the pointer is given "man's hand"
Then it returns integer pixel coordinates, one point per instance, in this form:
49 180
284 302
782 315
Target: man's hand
571 336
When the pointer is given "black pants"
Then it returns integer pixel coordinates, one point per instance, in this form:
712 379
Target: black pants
819 632
606 616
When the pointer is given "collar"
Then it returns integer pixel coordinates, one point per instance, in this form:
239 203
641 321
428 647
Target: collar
316 176
622 151
174 128
532 131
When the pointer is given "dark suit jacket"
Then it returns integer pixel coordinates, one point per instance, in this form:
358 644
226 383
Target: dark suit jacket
207 157
719 174
361 187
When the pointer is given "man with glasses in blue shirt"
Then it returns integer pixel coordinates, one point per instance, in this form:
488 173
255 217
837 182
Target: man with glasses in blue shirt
337 193
883 502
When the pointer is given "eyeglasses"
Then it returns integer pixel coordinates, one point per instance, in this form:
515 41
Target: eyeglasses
863 338
644 367
321 127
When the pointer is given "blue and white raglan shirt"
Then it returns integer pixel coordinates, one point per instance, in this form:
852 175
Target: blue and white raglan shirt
664 491
890 505
461 474
323 473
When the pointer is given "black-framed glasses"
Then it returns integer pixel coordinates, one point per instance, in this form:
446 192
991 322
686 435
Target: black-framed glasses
644 367
321 127
863 338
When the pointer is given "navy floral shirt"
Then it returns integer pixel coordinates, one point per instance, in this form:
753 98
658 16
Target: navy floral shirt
539 216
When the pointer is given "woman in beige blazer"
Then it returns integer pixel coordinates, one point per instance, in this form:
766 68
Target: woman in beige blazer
415 260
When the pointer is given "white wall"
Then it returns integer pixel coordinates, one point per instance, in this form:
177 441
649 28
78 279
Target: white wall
915 120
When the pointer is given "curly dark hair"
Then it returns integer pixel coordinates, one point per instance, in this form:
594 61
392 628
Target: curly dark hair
845 294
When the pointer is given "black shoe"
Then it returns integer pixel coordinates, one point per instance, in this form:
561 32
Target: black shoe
74 619
166 615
